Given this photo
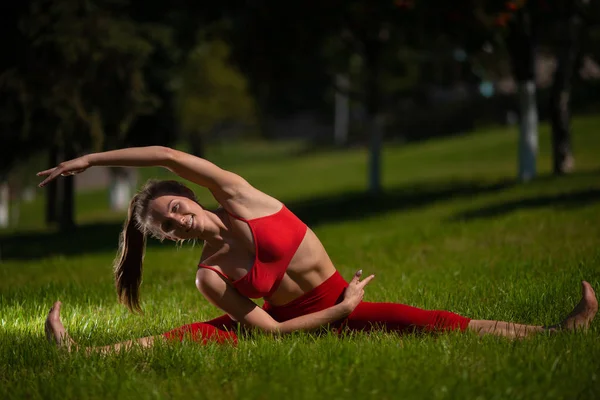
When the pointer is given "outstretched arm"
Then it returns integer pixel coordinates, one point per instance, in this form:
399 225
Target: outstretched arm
197 170
249 314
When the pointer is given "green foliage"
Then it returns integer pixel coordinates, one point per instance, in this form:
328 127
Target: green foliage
212 93
94 58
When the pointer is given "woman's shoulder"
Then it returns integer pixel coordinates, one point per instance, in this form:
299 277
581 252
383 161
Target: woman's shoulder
250 203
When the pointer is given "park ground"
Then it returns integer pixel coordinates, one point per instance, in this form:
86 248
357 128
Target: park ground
453 230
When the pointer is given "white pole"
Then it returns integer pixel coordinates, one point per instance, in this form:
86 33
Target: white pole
528 136
120 189
4 204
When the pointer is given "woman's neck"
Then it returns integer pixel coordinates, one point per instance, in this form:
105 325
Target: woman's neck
216 228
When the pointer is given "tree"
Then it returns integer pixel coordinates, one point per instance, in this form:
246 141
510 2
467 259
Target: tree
573 20
354 50
86 65
19 121
212 95
522 26
521 44
290 66
512 24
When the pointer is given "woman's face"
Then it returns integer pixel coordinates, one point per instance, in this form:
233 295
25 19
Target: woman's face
177 217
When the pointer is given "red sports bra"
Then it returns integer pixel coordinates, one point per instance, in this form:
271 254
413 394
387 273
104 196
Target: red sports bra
276 239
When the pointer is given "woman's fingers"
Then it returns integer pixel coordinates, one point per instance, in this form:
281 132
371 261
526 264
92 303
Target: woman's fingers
71 173
366 281
63 169
52 176
45 172
356 277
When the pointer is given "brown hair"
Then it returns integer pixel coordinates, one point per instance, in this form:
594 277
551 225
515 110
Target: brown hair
132 243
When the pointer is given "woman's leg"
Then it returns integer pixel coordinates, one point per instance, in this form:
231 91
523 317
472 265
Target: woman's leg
219 330
579 318
403 318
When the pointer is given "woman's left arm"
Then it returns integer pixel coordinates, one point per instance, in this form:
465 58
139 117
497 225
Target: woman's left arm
243 310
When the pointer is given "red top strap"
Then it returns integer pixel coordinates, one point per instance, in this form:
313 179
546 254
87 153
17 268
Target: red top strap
235 216
216 270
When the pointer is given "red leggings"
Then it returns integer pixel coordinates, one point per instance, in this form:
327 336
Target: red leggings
365 317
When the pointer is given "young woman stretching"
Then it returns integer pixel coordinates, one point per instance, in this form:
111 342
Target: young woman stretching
255 247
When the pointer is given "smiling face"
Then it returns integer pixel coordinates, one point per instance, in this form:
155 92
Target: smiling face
176 217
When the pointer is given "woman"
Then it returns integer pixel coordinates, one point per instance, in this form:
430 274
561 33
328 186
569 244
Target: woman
255 247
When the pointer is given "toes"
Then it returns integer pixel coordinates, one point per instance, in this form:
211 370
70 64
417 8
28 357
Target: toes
56 307
588 292
585 287
54 313
590 289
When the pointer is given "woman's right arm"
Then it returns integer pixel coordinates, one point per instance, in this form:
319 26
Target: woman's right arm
195 169
130 157
243 310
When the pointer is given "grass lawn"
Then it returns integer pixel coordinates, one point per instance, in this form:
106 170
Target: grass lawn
452 231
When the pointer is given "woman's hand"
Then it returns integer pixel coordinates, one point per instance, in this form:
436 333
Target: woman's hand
355 291
65 168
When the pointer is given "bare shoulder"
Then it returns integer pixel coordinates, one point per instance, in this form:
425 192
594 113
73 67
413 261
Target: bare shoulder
246 201
231 190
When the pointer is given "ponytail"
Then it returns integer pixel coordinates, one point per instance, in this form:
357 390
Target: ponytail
128 265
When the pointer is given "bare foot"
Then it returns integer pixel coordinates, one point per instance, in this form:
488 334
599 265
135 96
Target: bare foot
584 312
55 331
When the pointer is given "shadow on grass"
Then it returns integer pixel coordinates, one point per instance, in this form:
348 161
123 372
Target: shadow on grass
358 205
88 238
566 200
355 205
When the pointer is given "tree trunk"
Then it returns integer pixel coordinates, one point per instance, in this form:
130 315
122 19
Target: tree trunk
376 133
197 145
4 205
374 119
67 198
570 31
521 46
51 188
342 110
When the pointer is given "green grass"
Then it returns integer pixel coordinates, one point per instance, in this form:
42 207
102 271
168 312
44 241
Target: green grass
452 231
